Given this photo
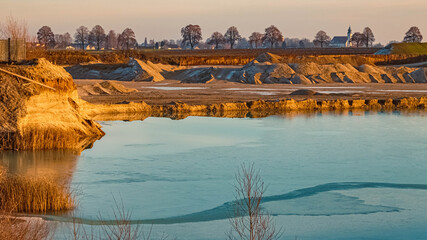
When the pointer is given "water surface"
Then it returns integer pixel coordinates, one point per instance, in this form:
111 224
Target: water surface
329 176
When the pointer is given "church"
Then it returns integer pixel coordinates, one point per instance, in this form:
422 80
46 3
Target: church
341 41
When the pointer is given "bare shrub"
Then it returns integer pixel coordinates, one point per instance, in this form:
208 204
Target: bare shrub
14 228
249 221
120 228
14 28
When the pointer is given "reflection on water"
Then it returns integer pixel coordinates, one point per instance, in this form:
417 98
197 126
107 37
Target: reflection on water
59 164
247 114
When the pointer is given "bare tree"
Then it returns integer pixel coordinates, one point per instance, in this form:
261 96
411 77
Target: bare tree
63 40
191 34
216 39
46 37
321 38
413 35
67 39
111 40
368 36
272 35
97 37
82 36
295 43
127 39
243 44
255 39
232 36
358 39
14 28
249 222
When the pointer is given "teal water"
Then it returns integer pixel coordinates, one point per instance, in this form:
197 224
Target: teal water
329 176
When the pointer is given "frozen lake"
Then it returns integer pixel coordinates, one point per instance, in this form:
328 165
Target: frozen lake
329 176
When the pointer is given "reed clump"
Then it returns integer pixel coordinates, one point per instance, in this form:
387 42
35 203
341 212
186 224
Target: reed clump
51 138
22 194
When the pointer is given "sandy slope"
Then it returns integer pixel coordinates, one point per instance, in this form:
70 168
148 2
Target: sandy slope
35 117
265 69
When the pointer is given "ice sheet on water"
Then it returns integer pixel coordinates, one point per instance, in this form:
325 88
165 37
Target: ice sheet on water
324 204
176 88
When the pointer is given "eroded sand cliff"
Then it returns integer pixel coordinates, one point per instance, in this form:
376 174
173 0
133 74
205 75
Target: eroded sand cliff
35 117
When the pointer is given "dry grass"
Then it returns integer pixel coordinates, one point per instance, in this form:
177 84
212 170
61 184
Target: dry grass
21 194
356 56
33 138
36 138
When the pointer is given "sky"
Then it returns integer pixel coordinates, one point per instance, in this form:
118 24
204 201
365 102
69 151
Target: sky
163 19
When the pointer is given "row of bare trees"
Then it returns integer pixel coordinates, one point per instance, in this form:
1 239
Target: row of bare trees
192 35
84 37
98 38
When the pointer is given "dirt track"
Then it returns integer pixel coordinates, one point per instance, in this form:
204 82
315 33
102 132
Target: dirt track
169 91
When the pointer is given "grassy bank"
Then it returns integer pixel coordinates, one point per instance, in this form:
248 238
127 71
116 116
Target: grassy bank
409 48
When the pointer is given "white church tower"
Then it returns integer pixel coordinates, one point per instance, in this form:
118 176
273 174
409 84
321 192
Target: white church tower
348 43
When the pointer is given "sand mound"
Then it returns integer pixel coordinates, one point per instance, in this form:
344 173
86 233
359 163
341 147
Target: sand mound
307 68
201 75
300 79
419 75
366 68
312 73
268 58
266 68
204 75
104 88
305 92
134 70
147 71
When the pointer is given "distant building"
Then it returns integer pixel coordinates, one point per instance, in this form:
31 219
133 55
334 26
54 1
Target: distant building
170 46
341 41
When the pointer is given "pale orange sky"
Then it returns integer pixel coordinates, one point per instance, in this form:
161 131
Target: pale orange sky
163 19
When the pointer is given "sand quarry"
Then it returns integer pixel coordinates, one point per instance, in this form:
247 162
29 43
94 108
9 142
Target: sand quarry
266 78
265 69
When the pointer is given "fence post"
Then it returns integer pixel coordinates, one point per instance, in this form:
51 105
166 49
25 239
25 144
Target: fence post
9 60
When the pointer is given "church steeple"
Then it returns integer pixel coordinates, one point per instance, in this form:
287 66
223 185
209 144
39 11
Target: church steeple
348 44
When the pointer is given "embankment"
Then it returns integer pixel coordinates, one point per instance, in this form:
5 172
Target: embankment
357 56
254 109
36 117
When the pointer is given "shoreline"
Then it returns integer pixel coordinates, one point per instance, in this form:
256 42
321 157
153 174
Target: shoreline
253 109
